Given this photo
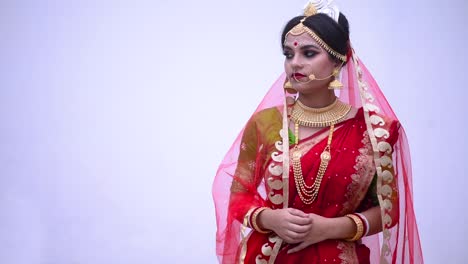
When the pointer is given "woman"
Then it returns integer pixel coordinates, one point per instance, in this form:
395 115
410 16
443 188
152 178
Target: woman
314 178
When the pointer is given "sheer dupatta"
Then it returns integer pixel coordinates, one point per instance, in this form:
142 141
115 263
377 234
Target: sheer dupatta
400 238
229 209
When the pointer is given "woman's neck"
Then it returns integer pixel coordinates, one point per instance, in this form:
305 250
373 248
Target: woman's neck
318 100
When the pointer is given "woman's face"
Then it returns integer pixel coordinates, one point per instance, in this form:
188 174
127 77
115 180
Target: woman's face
303 57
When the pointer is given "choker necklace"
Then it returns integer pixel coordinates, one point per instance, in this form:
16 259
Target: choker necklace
319 117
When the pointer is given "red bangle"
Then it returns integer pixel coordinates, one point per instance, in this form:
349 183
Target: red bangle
365 223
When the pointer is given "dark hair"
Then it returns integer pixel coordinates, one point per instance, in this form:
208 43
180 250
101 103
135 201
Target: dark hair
336 35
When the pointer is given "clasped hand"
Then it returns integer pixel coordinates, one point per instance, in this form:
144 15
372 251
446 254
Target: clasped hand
296 227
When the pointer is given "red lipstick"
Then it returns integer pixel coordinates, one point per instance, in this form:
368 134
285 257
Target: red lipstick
298 75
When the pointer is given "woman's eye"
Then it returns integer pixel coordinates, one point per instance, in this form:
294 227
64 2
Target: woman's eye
288 55
310 54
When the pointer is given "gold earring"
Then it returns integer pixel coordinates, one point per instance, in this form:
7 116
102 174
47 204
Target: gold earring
288 87
335 84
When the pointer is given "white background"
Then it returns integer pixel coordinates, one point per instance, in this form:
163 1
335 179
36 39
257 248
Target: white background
114 116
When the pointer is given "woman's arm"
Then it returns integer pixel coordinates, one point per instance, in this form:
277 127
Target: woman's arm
344 227
323 228
292 225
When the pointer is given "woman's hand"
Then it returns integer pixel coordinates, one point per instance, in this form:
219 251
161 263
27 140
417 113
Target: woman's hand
292 225
318 231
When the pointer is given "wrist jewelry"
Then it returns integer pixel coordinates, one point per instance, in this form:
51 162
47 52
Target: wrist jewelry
359 227
254 220
366 223
248 217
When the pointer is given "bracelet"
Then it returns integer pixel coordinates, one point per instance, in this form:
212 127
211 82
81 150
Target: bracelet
366 223
254 220
247 217
359 227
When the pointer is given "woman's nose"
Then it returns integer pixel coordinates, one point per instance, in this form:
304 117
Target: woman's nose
296 63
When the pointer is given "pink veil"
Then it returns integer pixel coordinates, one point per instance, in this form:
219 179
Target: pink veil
399 242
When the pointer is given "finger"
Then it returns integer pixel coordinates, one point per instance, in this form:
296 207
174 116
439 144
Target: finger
300 220
297 237
297 212
300 247
299 228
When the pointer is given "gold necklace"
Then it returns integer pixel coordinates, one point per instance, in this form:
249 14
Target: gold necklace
308 193
319 117
314 117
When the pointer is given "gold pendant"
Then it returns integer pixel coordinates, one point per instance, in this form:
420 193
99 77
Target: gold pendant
325 156
297 155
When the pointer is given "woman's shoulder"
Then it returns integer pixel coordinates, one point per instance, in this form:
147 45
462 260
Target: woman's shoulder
266 121
382 125
268 115
376 118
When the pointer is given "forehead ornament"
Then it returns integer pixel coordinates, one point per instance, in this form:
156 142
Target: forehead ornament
310 10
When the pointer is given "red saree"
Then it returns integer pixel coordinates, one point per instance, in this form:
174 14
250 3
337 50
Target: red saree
344 188
370 166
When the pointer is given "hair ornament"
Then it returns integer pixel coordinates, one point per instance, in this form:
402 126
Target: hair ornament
327 7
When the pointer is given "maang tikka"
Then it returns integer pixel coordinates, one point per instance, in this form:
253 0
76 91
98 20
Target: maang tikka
299 29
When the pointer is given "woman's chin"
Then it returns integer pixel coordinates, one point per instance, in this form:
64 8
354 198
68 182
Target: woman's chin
304 89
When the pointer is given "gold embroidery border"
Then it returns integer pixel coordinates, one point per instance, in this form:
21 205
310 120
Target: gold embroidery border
354 188
276 248
275 171
285 136
348 252
375 133
243 251
285 177
282 146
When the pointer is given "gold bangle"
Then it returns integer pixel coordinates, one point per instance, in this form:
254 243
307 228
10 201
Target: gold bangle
254 220
246 221
359 227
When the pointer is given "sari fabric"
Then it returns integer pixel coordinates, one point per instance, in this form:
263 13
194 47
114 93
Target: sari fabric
345 187
370 166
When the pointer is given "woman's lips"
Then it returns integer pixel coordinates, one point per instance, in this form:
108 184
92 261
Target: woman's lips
298 75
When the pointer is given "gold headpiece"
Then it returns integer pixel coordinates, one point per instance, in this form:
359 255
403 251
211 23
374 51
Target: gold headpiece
310 10
300 28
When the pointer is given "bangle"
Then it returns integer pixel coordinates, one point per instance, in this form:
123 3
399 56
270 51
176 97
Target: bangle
359 227
254 220
247 217
366 223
